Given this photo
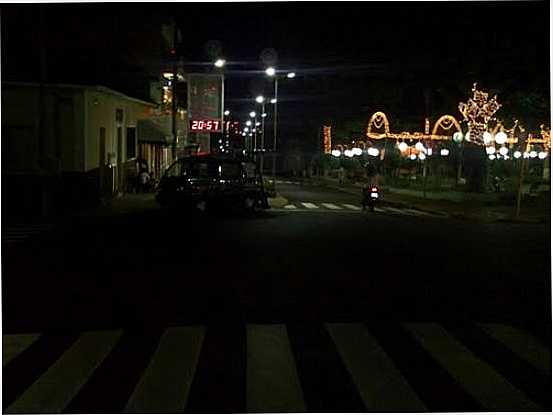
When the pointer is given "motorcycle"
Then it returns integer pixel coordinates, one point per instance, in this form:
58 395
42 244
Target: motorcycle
370 197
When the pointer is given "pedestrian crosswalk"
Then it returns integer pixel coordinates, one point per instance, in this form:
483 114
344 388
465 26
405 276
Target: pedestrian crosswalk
14 233
306 206
297 367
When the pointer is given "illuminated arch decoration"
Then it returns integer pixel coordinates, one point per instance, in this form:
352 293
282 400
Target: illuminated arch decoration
446 123
379 121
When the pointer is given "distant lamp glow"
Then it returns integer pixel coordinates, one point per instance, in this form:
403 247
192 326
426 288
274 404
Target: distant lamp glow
525 155
533 154
273 101
264 114
490 150
227 113
291 75
348 153
517 154
413 157
467 136
402 146
444 152
503 151
422 156
419 146
259 99
248 123
257 124
168 75
501 138
458 137
491 156
542 155
252 114
336 153
487 138
357 151
429 151
506 157
270 71
219 63
246 129
373 152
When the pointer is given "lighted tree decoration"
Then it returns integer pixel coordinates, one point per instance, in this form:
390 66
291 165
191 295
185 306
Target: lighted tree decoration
478 112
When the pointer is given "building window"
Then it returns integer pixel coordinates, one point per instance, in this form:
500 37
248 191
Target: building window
131 143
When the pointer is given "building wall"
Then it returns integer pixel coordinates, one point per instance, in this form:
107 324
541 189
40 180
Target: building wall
101 113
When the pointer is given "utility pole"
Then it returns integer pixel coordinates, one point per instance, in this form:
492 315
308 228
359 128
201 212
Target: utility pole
275 129
262 136
173 91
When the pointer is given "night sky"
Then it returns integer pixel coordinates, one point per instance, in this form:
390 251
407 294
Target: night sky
410 60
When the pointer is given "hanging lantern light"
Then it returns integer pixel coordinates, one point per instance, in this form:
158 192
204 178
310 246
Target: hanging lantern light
458 137
402 146
501 138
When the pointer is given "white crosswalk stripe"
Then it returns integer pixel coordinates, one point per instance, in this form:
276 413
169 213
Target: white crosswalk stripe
478 378
272 380
310 205
331 206
352 207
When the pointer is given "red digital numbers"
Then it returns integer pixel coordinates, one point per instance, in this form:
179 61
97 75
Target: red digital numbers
204 125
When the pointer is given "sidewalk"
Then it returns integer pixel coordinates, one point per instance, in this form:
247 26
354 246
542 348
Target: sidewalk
472 209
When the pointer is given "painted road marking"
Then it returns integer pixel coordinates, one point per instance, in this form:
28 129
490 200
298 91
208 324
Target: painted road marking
379 382
290 207
14 344
521 343
331 206
379 210
60 383
310 205
272 380
352 207
165 384
477 377
394 210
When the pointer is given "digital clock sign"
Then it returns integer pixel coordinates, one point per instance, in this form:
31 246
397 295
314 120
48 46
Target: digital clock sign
205 125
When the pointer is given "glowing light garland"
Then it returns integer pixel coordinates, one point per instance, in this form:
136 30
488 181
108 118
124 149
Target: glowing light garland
477 112
327 136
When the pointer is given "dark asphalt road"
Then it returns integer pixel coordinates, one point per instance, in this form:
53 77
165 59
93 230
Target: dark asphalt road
146 266
318 309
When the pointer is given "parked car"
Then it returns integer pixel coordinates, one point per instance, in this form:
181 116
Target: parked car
206 182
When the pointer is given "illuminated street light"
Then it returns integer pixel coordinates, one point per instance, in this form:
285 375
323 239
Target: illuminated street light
402 146
273 101
252 114
542 155
259 99
490 150
491 156
533 154
503 151
257 124
336 153
458 137
227 113
348 153
517 154
525 155
291 75
246 129
264 114
248 123
357 151
270 71
219 63
487 138
373 151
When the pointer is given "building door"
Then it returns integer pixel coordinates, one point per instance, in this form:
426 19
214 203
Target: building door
120 158
102 160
